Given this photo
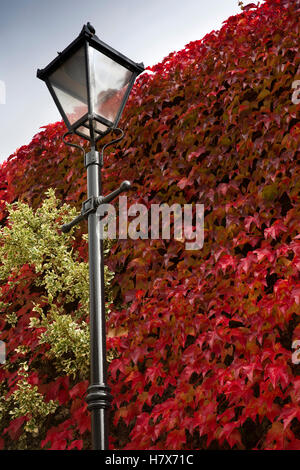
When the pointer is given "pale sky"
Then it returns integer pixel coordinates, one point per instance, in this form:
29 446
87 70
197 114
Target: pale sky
32 31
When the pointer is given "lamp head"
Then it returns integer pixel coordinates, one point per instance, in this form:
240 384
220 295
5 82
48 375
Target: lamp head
90 83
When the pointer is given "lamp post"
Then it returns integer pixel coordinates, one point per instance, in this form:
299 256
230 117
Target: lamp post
90 83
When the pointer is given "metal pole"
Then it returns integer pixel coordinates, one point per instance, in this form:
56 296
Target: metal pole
98 397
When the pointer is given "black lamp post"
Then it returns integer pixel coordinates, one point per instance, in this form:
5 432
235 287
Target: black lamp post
90 83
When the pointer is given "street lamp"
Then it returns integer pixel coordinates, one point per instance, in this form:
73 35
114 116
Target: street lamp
90 83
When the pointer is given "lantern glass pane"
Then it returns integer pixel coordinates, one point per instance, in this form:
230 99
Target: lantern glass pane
84 130
70 86
98 126
109 83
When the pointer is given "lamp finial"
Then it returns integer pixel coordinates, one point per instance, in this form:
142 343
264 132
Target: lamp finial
90 28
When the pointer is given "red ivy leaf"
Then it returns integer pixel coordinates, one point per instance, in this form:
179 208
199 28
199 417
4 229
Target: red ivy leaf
175 439
14 428
78 444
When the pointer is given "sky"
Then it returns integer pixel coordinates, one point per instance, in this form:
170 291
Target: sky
32 31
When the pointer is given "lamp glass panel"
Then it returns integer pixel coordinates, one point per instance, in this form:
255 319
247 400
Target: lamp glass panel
84 130
109 83
98 126
70 86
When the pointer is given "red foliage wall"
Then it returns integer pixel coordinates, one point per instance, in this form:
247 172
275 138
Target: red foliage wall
204 337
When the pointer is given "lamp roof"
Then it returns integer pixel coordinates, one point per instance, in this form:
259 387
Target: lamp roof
87 34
